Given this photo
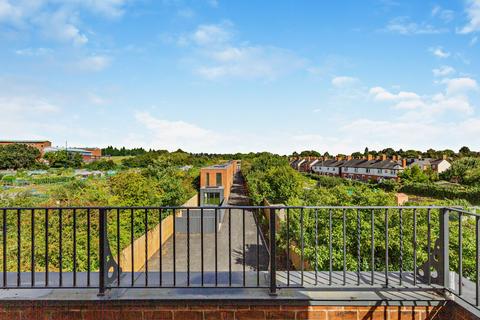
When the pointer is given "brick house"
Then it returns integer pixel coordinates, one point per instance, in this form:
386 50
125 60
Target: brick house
216 181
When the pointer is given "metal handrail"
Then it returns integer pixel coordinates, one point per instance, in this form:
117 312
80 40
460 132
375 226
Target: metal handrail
64 230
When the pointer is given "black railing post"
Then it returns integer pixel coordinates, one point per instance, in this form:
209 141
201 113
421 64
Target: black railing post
444 247
273 247
102 237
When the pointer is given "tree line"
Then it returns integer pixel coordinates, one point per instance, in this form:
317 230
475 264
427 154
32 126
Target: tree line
390 152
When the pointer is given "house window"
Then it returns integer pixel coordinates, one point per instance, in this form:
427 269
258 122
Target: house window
208 179
218 177
346 169
379 170
368 170
356 169
212 198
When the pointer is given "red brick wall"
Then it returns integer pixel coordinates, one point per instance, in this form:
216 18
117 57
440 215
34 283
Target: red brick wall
227 177
154 310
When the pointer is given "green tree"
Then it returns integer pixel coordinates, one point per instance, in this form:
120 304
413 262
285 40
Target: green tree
465 151
63 159
18 156
132 188
414 174
464 170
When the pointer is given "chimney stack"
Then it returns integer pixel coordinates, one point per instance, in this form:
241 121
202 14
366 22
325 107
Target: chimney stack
404 163
349 158
384 157
444 157
369 157
394 158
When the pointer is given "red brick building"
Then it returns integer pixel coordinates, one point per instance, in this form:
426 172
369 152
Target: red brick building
39 144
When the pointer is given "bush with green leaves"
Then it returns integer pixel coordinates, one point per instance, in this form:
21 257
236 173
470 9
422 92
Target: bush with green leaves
270 177
465 171
101 165
63 159
18 156
471 194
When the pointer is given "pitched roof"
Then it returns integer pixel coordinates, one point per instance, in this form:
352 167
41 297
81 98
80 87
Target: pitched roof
297 162
361 163
330 163
437 161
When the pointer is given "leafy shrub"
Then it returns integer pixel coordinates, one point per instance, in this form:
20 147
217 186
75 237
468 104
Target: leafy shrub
18 156
464 171
471 194
102 165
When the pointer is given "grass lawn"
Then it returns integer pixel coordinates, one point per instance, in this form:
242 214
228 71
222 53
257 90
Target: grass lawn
118 159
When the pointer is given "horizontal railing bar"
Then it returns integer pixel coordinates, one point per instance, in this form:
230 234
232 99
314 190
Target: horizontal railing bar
455 209
232 207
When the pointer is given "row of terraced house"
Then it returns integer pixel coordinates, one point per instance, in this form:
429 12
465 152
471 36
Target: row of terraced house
367 168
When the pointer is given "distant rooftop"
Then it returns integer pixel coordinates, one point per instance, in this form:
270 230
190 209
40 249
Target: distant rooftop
73 150
23 141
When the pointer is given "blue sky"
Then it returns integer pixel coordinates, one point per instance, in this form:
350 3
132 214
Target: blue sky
228 76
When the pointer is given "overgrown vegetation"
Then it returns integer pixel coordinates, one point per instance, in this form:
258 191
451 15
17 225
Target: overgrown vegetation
271 178
18 156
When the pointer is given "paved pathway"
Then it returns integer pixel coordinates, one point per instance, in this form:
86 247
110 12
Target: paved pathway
247 250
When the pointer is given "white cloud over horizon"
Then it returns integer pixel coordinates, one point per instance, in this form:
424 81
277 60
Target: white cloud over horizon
443 71
473 13
405 26
94 63
454 98
216 54
440 52
341 81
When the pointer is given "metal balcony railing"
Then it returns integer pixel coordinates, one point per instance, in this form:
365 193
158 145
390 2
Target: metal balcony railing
272 247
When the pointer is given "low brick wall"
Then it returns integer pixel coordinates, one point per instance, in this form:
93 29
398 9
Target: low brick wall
181 311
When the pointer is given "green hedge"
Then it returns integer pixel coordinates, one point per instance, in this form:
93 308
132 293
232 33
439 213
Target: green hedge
50 180
471 194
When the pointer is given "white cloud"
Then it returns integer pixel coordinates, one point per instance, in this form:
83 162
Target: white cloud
381 94
108 8
26 105
215 55
412 134
454 98
341 81
443 71
56 19
249 62
461 85
97 100
404 26
473 13
212 34
444 14
94 63
26 116
33 52
439 52
473 41
61 25
172 135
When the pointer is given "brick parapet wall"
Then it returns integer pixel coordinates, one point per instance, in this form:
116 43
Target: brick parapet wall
151 310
